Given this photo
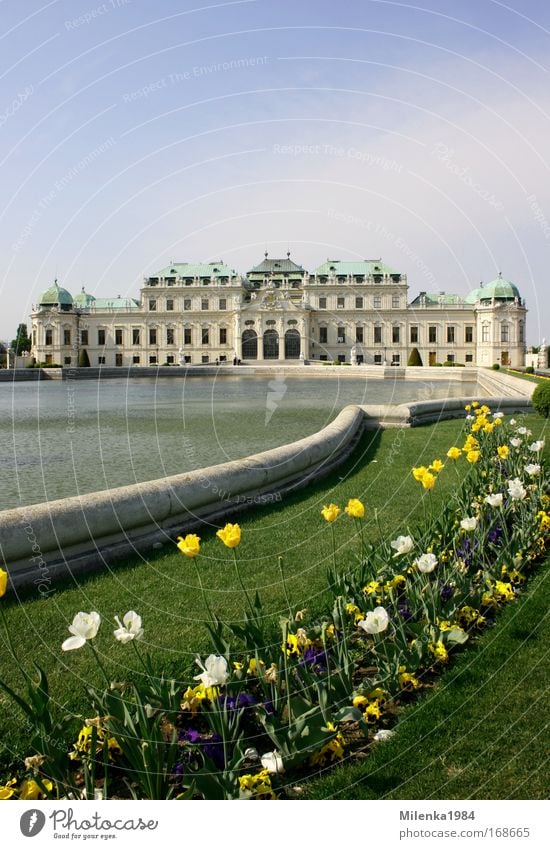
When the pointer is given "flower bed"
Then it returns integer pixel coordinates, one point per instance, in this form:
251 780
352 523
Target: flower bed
267 710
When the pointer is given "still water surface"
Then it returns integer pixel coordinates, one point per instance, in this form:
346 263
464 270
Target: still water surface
65 438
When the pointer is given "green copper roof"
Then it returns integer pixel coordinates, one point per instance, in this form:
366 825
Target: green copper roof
200 269
83 300
435 298
115 304
363 267
499 289
56 295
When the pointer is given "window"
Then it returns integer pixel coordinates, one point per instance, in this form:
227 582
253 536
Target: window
169 305
205 358
67 361
169 335
395 359
170 359
468 333
118 359
484 332
396 334
323 357
135 359
378 359
223 335
34 337
152 304
204 335
323 335
187 303
450 358
414 334
222 304
83 337
359 303
469 358
101 361
204 303
378 335
432 333
322 303
135 335
450 334
395 302
359 334
504 333
152 335
152 360
66 337
118 335
340 303
100 337
187 336
521 332
377 302
341 335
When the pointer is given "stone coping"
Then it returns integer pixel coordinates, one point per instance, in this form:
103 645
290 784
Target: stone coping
80 534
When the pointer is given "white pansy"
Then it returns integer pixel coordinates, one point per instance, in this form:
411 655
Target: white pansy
469 523
375 621
85 626
532 469
214 671
537 446
273 762
516 489
129 629
515 442
383 735
251 754
426 563
402 545
494 499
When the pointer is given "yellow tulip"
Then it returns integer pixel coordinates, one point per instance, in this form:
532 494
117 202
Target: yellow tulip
230 535
3 582
419 472
330 513
454 453
472 456
437 465
428 480
503 451
355 508
189 545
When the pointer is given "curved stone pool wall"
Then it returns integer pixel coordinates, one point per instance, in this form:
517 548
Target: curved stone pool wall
77 535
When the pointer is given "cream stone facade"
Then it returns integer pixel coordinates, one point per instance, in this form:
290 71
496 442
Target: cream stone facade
354 312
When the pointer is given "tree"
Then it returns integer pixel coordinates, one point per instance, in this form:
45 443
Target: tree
3 349
21 342
414 358
84 360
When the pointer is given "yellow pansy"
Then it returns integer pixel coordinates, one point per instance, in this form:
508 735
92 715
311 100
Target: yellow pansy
439 651
3 582
503 451
31 790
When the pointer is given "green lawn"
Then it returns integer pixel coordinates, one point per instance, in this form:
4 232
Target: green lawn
164 588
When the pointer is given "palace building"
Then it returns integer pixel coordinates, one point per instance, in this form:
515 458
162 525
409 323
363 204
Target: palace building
278 311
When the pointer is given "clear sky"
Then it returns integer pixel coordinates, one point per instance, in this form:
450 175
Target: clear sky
134 133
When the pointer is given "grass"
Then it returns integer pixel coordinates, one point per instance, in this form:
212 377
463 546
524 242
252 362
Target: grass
164 587
482 733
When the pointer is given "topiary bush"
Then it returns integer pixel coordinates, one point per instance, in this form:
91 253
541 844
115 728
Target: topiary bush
541 399
529 370
414 358
495 366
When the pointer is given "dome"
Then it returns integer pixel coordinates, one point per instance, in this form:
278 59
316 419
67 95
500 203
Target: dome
56 296
473 296
83 300
500 289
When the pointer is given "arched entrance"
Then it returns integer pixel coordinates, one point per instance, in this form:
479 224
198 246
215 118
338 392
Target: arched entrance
271 345
292 345
249 345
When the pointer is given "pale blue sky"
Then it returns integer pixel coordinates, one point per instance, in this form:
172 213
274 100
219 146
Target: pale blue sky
136 133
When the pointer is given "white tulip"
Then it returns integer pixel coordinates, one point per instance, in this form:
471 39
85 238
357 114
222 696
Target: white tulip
85 626
375 621
402 545
515 442
130 630
532 469
495 499
536 446
516 489
426 563
214 671
273 762
513 422
469 523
